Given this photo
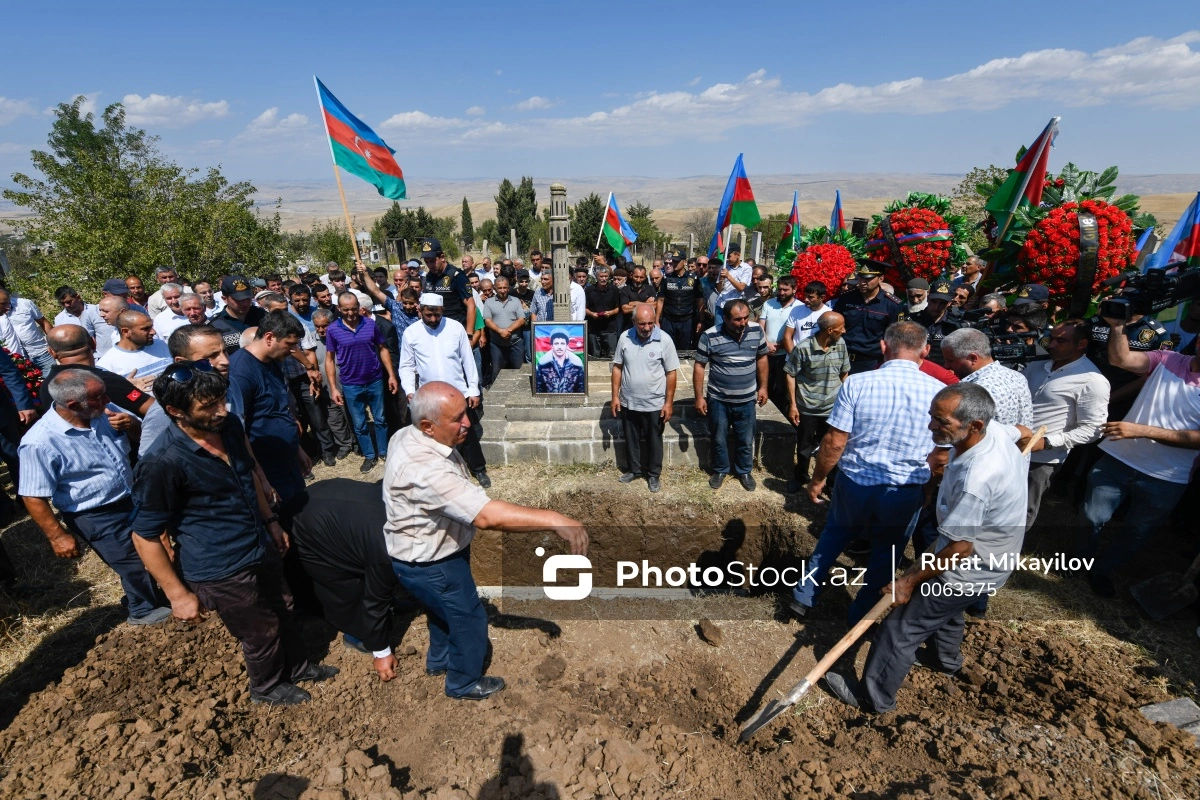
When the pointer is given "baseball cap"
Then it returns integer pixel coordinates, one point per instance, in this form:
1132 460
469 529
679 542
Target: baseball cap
430 248
116 286
522 273
674 256
414 264
236 287
1031 293
941 290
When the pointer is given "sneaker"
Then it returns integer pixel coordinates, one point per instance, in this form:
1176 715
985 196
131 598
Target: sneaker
652 483
716 480
329 460
158 615
484 480
284 694
858 547
628 477
368 465
747 482
317 673
1102 585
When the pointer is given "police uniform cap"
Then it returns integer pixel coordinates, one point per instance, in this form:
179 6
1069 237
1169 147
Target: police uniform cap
1031 293
941 290
869 267
431 248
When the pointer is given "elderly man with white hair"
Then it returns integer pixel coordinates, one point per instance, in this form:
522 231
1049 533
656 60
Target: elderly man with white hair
439 349
433 511
171 317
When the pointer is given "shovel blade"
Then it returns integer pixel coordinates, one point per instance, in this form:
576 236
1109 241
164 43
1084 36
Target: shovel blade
769 712
1163 595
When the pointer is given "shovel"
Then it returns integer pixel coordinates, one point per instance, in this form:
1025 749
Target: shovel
776 707
1163 595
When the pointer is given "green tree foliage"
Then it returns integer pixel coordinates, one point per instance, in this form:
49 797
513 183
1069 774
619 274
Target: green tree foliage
329 241
113 205
489 231
516 209
415 224
699 224
966 201
585 227
641 218
468 227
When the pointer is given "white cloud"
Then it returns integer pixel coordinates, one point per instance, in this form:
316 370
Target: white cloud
476 111
170 111
694 81
534 103
1150 72
269 123
13 109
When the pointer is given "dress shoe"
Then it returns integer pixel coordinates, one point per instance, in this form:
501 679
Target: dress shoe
840 689
484 687
368 465
317 673
628 477
329 460
435 673
794 486
1102 585
747 481
155 617
484 480
716 480
652 483
345 451
284 694
858 547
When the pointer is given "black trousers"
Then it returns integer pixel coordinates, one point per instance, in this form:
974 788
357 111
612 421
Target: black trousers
506 356
602 344
313 416
643 441
470 449
808 436
777 389
256 607
680 331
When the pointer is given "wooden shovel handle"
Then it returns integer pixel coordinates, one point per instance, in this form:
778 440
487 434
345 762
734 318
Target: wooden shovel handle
1037 435
874 615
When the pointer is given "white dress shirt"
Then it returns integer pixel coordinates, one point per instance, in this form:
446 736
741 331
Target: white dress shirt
167 323
438 354
578 303
1071 401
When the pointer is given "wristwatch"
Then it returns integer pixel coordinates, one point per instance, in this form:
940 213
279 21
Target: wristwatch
270 519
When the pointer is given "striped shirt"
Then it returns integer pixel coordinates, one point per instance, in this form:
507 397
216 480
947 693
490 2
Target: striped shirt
733 367
886 413
77 469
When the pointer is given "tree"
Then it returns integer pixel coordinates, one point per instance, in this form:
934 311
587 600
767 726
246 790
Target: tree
489 232
699 224
506 210
641 218
468 227
966 201
415 224
331 242
113 205
589 216
516 209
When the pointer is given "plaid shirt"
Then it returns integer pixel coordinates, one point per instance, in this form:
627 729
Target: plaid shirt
886 413
543 305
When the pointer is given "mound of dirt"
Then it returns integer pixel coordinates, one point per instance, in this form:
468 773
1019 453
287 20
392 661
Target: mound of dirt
166 713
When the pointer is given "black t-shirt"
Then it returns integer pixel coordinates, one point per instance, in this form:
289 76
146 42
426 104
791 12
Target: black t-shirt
121 392
680 295
629 294
1144 335
605 299
452 285
231 328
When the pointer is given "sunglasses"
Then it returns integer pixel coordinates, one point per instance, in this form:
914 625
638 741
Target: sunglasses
185 371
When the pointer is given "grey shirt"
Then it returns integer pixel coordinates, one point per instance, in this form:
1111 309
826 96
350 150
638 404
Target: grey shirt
644 367
503 315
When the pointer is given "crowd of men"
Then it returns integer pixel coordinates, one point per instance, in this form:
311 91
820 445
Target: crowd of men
179 430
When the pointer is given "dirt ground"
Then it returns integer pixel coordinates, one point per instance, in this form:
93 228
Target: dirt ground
1046 705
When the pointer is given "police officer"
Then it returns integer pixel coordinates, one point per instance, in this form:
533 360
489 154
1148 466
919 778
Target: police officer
868 311
1145 333
680 303
447 280
939 317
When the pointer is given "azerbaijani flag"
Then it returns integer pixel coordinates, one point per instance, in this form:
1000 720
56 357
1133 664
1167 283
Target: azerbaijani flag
791 232
837 221
358 149
1024 184
615 230
737 206
1182 247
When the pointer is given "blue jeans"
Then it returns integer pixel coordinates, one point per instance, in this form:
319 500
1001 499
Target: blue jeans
1151 501
358 400
721 416
44 362
884 515
458 627
525 339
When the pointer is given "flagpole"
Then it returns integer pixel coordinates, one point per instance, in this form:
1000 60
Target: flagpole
337 175
1012 213
600 233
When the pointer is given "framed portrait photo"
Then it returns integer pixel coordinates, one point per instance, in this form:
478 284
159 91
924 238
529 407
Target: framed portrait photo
559 358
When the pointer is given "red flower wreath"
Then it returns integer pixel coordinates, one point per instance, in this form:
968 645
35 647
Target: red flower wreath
830 264
1050 254
31 374
919 214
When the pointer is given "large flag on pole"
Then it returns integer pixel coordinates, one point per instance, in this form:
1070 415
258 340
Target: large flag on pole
615 230
1182 247
837 221
791 232
358 149
737 206
1024 184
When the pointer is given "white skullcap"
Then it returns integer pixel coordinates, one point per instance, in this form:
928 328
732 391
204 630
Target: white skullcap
431 299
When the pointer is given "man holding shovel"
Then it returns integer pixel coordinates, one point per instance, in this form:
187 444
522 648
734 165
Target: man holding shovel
981 526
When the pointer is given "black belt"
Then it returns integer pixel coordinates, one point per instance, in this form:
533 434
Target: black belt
124 504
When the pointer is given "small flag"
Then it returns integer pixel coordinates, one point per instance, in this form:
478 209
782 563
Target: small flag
1182 247
737 206
358 149
616 230
837 221
1024 184
790 241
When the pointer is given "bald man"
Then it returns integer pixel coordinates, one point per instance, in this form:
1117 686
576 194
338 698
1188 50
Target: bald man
814 371
644 369
137 351
433 509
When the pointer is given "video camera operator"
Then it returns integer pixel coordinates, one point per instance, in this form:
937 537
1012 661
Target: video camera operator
1144 334
939 317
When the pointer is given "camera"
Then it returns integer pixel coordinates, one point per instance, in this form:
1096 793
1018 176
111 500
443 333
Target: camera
1117 308
1150 291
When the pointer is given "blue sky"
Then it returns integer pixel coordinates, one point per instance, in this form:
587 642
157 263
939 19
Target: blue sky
491 89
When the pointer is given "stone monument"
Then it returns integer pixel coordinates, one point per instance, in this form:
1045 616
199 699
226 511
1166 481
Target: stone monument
560 235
